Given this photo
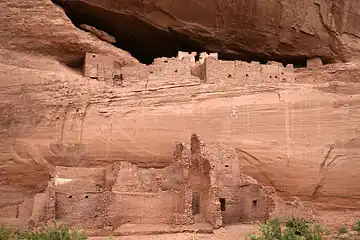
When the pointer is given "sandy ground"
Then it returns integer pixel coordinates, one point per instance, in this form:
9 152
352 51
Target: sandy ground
237 232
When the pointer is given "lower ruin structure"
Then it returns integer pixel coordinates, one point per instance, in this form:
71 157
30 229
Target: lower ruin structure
203 184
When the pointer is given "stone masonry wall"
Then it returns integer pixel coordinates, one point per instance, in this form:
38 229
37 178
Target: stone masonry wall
203 184
243 73
145 208
78 192
245 204
147 195
163 72
233 196
183 70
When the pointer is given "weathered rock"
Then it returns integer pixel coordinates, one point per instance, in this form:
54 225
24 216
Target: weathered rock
301 137
283 30
295 131
40 27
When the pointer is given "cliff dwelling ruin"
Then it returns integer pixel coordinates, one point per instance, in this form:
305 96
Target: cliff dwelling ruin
185 70
203 184
95 123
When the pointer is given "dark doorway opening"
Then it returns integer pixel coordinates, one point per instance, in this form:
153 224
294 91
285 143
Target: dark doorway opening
195 203
254 204
222 204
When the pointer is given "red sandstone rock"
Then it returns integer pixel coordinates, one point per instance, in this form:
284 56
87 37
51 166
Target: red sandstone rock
287 31
293 129
40 27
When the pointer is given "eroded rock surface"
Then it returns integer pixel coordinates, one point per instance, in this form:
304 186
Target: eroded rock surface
41 28
296 130
283 30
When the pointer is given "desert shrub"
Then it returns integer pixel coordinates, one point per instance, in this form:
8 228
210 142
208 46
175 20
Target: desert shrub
270 230
295 229
4 233
56 233
343 230
298 225
356 226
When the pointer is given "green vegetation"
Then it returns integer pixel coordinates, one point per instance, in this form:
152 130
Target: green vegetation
343 230
295 229
356 226
56 233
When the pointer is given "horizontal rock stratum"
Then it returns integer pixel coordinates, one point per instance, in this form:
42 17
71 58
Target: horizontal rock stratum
296 130
283 30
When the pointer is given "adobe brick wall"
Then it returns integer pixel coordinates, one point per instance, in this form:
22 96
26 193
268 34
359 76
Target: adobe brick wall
183 70
246 204
242 73
163 72
98 66
72 180
245 199
125 193
145 208
76 207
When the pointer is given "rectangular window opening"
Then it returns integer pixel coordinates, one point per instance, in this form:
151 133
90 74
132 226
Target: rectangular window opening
195 203
254 204
222 204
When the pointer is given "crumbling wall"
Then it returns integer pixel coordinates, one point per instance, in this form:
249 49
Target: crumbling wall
241 198
201 178
246 203
150 208
77 207
134 179
135 76
204 183
147 195
163 72
314 63
78 192
171 71
243 73
228 196
98 66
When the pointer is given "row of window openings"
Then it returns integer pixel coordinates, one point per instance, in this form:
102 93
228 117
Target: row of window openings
70 197
223 204
247 75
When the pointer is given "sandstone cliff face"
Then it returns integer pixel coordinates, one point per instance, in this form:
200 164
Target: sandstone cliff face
41 28
284 30
35 36
300 137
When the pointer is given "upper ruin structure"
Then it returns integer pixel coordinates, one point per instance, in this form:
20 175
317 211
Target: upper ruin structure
184 69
